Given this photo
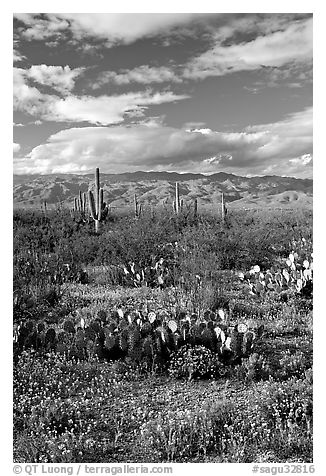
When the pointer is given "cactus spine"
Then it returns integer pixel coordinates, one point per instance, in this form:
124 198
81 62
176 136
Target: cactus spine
97 206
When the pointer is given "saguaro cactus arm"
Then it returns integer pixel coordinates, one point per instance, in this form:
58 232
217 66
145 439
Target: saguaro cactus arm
100 204
92 207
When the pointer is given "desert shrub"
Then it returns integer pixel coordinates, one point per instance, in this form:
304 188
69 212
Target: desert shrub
263 367
105 274
256 367
180 435
79 411
195 362
287 408
272 419
81 369
63 429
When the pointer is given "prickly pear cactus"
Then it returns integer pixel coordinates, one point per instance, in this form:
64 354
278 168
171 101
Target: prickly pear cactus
292 274
123 340
148 347
68 326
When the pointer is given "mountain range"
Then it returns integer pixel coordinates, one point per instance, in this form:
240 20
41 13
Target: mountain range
158 188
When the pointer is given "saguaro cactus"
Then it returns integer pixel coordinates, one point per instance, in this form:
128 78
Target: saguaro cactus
81 201
97 206
195 208
138 207
177 198
177 203
79 204
84 203
223 209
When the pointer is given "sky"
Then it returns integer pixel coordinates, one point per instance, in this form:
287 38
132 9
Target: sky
182 92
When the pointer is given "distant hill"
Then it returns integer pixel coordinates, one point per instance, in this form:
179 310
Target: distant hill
157 188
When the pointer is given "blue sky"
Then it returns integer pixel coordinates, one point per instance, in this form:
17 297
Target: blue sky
179 92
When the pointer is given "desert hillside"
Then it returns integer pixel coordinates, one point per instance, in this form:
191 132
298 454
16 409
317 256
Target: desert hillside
157 188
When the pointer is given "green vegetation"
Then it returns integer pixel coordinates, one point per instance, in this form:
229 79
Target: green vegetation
148 339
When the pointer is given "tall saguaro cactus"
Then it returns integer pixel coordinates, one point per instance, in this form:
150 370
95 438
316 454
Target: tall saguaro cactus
195 208
79 204
223 209
177 203
177 198
138 207
97 206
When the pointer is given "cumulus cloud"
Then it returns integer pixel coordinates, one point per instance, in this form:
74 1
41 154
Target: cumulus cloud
27 98
282 44
103 110
17 56
40 28
108 109
260 149
289 138
112 27
142 74
305 159
234 26
241 42
288 45
60 78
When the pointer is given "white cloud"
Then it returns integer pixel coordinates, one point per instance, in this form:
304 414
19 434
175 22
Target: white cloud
113 27
103 110
17 56
59 78
289 138
256 150
282 44
202 131
107 110
125 27
16 147
305 159
27 98
142 74
38 28
276 49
